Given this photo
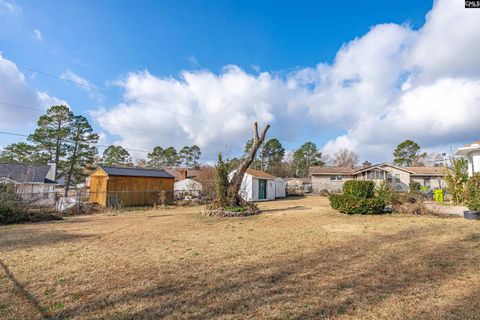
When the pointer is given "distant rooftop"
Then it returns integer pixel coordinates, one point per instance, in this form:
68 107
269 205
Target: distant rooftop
25 172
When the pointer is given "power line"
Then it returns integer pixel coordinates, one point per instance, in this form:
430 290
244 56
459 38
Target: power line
90 87
98 145
101 123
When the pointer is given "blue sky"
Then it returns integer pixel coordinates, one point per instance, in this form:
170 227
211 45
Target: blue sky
107 42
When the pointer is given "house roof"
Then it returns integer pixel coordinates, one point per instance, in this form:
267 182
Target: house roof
136 172
427 171
204 174
304 180
329 170
260 174
474 146
379 166
25 172
419 171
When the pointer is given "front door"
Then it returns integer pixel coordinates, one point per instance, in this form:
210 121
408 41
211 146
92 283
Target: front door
262 189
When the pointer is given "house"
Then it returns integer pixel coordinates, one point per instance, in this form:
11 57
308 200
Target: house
204 175
399 178
472 153
187 187
298 186
115 186
260 186
34 183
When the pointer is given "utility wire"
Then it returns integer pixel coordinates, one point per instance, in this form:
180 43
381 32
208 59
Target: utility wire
98 145
90 87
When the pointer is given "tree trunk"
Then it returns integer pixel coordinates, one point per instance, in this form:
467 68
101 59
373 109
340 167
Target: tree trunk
72 164
236 182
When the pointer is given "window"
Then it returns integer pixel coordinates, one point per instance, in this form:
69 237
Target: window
389 177
336 178
397 177
371 175
426 181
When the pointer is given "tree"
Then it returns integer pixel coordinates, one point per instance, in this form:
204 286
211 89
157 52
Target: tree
52 132
304 157
221 182
407 153
170 157
22 152
80 150
273 152
190 156
236 181
456 178
345 158
156 158
116 156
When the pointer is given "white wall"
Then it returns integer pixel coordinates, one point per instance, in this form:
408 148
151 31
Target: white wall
37 193
280 188
473 162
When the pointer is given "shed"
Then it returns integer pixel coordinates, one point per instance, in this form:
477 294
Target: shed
187 187
280 188
257 186
115 186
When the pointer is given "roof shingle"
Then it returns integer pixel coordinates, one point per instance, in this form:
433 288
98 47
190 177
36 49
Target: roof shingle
25 172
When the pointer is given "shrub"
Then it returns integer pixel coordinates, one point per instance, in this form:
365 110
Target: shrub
473 193
351 204
415 186
384 192
359 188
456 178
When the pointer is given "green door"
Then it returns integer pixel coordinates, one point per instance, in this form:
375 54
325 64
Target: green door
262 189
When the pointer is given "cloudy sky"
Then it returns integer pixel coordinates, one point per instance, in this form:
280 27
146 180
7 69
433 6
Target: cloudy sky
343 74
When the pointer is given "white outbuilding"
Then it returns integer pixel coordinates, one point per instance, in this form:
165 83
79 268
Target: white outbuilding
260 186
187 187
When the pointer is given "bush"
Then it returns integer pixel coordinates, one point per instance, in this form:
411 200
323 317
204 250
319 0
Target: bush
384 192
350 204
359 188
473 193
415 186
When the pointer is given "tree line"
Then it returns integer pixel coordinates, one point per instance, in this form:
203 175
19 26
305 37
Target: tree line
68 141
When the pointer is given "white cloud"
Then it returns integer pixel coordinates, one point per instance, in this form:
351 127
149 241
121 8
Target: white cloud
76 79
37 34
9 7
15 91
391 84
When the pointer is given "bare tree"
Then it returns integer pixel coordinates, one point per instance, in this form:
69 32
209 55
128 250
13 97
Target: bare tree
345 158
236 182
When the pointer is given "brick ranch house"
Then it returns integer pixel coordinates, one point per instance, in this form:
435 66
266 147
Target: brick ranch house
399 178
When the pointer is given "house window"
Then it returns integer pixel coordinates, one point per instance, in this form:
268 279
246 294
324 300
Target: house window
336 178
370 175
426 182
397 177
379 175
389 177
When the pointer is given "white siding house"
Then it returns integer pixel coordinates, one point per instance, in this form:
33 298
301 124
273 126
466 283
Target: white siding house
34 183
259 186
472 153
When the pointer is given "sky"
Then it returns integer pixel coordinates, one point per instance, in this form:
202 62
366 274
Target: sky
361 75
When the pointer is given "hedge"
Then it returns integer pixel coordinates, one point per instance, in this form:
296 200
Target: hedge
359 188
350 204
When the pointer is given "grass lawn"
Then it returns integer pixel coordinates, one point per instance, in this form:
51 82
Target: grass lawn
297 260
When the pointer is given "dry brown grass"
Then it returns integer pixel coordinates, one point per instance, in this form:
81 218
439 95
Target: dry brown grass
298 260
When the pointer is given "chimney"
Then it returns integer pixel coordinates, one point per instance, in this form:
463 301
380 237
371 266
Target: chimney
52 172
182 174
367 164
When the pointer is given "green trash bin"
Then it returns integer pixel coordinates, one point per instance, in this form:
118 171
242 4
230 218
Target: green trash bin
438 195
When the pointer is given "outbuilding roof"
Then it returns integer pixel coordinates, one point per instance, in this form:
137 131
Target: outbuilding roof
329 170
136 172
260 174
25 173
